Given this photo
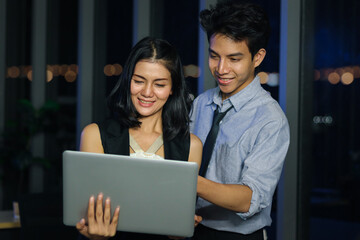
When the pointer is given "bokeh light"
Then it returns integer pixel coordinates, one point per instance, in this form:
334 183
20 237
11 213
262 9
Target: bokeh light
263 77
63 69
325 72
49 76
13 72
56 70
356 70
334 78
70 76
191 71
347 78
109 70
118 69
29 75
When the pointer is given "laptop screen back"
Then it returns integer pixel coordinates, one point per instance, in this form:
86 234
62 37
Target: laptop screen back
155 196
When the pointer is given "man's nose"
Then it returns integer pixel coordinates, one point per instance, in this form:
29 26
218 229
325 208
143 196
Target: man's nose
222 67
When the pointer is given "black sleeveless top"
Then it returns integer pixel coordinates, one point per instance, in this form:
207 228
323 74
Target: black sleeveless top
115 140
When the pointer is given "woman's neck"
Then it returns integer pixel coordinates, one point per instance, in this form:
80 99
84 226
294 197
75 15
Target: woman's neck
151 124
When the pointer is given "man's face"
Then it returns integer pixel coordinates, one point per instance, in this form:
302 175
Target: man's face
231 64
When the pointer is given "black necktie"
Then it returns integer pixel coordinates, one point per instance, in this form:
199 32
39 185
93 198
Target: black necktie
210 140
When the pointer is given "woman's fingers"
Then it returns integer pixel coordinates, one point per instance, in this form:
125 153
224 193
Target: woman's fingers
82 228
107 211
114 221
100 224
91 215
99 208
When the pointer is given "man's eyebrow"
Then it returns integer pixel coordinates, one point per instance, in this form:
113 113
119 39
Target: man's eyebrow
212 51
238 54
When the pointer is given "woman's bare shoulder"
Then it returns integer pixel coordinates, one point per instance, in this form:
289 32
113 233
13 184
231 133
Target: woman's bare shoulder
195 141
91 139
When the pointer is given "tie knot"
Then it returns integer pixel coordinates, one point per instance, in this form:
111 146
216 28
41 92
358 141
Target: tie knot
218 116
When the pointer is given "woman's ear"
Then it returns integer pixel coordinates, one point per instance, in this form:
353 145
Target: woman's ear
259 57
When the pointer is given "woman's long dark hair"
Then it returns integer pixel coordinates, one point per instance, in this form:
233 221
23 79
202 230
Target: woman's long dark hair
175 114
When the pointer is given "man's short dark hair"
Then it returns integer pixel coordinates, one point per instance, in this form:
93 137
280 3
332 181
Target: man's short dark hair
239 21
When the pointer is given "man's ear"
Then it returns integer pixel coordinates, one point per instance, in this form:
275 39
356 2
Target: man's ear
259 57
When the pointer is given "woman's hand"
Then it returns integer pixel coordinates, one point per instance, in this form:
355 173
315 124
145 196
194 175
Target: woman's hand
100 225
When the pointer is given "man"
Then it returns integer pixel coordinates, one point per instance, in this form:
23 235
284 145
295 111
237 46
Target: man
235 196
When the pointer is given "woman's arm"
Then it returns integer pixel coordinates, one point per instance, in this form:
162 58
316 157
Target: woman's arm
196 147
100 225
90 139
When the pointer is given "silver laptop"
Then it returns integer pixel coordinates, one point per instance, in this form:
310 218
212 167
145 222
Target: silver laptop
155 196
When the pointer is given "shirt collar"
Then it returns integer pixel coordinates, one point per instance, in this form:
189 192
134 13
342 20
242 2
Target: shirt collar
239 99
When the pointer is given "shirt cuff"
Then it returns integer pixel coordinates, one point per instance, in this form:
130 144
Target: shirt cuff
254 204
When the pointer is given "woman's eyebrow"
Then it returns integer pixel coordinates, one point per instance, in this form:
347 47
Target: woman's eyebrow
137 75
157 79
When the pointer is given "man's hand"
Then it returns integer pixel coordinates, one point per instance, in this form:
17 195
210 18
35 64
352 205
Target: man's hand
197 219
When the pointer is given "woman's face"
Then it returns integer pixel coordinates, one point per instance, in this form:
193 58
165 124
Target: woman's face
150 87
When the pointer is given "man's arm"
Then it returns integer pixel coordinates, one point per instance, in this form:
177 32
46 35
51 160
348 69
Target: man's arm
259 175
234 197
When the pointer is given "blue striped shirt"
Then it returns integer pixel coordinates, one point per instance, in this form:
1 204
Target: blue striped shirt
250 150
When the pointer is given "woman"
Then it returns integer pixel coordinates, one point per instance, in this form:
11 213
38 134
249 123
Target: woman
149 107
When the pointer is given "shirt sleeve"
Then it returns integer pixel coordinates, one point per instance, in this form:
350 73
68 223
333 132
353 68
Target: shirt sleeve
264 163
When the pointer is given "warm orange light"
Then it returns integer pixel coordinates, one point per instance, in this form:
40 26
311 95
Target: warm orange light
334 78
29 75
340 71
356 70
347 78
63 69
118 69
325 72
191 71
55 70
349 69
263 77
49 76
49 67
74 68
109 70
70 76
13 72
26 70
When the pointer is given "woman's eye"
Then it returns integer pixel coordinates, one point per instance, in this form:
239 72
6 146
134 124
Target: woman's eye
160 85
137 81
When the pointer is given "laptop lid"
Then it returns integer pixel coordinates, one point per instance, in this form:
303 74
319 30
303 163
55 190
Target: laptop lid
155 196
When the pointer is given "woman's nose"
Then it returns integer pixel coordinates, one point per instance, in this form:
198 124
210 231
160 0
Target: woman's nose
147 90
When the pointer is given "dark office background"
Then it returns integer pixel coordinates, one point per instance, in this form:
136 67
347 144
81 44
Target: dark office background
333 166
